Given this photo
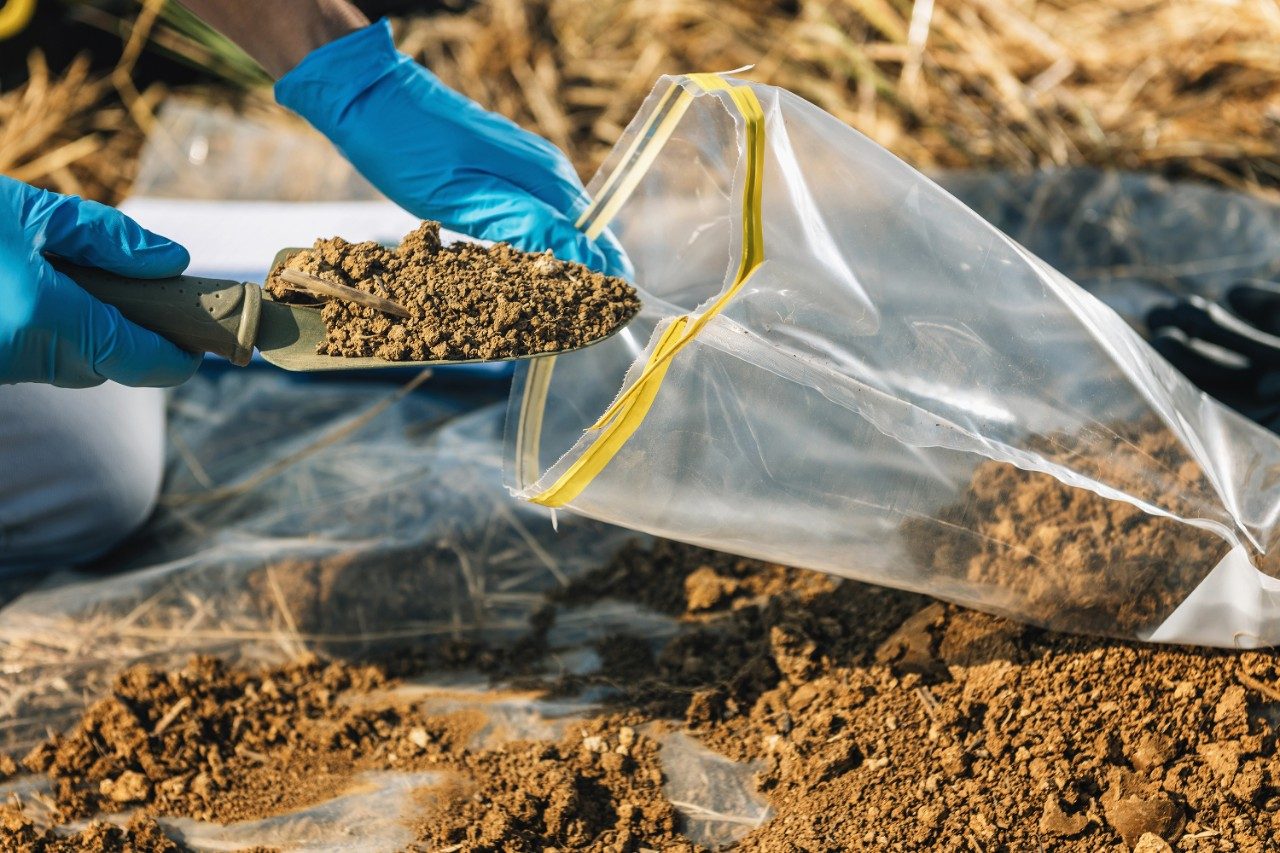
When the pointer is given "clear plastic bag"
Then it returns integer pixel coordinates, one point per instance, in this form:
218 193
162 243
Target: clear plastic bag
840 366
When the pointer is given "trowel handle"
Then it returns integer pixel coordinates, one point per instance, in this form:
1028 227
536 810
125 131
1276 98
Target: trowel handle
198 314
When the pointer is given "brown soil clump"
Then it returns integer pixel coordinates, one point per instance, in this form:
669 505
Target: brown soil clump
141 835
598 789
1065 557
466 301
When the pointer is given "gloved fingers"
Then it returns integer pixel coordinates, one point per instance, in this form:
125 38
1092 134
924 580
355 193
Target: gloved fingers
106 344
558 186
1222 374
93 234
1258 302
528 223
568 196
557 194
1211 323
617 262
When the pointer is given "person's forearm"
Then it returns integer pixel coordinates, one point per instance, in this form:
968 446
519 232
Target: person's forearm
279 33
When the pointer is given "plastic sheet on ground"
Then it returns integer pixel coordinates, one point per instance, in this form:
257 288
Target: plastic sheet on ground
840 366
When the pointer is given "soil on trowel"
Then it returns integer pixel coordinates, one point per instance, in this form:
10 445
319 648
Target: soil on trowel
465 301
1065 557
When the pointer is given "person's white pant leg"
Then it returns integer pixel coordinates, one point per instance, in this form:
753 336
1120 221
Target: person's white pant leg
80 469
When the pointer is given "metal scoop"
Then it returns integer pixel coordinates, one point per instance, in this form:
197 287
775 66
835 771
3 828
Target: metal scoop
231 318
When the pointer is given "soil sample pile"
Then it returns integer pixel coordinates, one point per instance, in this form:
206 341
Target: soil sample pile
223 744
887 721
881 719
1068 558
466 301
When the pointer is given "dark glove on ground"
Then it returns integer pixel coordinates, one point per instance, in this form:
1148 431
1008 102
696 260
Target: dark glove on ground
1230 349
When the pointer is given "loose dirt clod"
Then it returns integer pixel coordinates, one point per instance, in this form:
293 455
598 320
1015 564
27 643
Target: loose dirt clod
467 301
142 835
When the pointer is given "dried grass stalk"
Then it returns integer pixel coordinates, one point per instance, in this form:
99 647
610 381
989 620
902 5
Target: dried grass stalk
67 132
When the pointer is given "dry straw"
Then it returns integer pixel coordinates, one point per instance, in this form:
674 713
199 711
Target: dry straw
68 132
1183 87
1177 86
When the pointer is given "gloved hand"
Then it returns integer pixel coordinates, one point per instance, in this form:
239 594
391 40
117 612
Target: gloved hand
1230 350
439 155
51 330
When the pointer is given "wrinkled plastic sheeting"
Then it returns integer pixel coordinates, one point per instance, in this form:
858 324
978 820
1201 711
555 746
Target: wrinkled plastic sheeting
716 796
330 516
373 817
215 152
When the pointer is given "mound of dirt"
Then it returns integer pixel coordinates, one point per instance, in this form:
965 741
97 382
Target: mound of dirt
887 721
222 744
881 720
466 301
216 743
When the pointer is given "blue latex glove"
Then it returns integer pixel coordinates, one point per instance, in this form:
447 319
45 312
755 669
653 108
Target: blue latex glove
439 155
51 330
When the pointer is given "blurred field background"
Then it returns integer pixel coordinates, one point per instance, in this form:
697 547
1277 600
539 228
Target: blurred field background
1184 88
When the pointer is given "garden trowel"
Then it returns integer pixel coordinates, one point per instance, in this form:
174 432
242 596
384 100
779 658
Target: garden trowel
231 318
